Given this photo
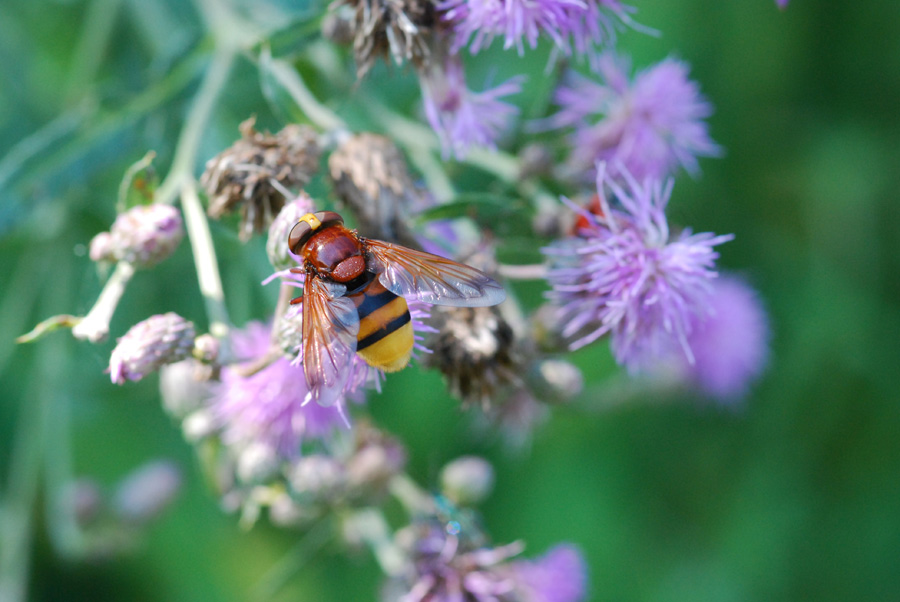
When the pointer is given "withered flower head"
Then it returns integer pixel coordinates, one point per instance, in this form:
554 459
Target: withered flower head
398 27
371 177
257 173
475 350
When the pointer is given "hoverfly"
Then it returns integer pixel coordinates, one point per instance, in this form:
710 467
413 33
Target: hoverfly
353 298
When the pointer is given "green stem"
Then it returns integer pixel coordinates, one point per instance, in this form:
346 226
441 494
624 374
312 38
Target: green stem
276 577
95 326
285 74
95 34
205 262
182 171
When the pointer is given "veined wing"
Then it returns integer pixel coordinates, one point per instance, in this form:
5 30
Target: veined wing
330 326
430 278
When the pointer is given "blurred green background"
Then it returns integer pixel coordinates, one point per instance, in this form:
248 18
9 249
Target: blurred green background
793 495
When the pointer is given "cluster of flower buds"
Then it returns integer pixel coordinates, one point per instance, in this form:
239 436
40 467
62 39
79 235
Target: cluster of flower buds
142 236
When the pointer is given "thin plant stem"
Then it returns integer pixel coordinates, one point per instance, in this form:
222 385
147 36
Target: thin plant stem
285 74
535 271
182 171
205 262
275 578
95 326
98 26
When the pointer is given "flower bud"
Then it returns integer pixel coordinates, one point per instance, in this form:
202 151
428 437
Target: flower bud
556 380
198 426
206 348
280 230
317 476
375 462
159 340
182 387
143 236
257 463
468 480
102 248
145 493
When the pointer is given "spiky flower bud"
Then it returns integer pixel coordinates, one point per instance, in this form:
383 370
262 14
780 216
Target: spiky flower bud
555 380
376 459
183 387
277 244
143 236
474 349
467 480
399 28
316 476
257 172
148 345
370 176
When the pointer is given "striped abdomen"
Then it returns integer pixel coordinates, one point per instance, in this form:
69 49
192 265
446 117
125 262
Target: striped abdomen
385 337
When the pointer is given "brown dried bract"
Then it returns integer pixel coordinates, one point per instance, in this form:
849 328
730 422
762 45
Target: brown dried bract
257 173
371 177
399 28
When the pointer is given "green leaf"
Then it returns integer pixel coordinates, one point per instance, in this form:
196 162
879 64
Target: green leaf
139 184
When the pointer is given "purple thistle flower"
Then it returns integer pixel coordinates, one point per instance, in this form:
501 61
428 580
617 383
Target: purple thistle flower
462 118
560 575
782 4
649 126
272 406
581 25
731 344
625 275
447 568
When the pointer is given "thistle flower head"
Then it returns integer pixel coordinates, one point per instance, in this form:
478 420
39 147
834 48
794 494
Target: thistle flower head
257 172
648 127
270 407
625 275
730 344
560 575
149 345
143 236
448 567
572 25
397 28
462 118
474 350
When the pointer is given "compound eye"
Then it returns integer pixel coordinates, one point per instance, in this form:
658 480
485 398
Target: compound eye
300 233
329 217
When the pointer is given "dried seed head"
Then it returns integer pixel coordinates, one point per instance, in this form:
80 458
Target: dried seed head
143 236
280 230
149 345
257 172
475 350
399 28
371 177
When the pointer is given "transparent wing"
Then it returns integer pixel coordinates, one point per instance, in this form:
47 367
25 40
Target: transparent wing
330 326
430 278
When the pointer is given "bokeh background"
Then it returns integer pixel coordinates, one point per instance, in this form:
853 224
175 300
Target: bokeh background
794 494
